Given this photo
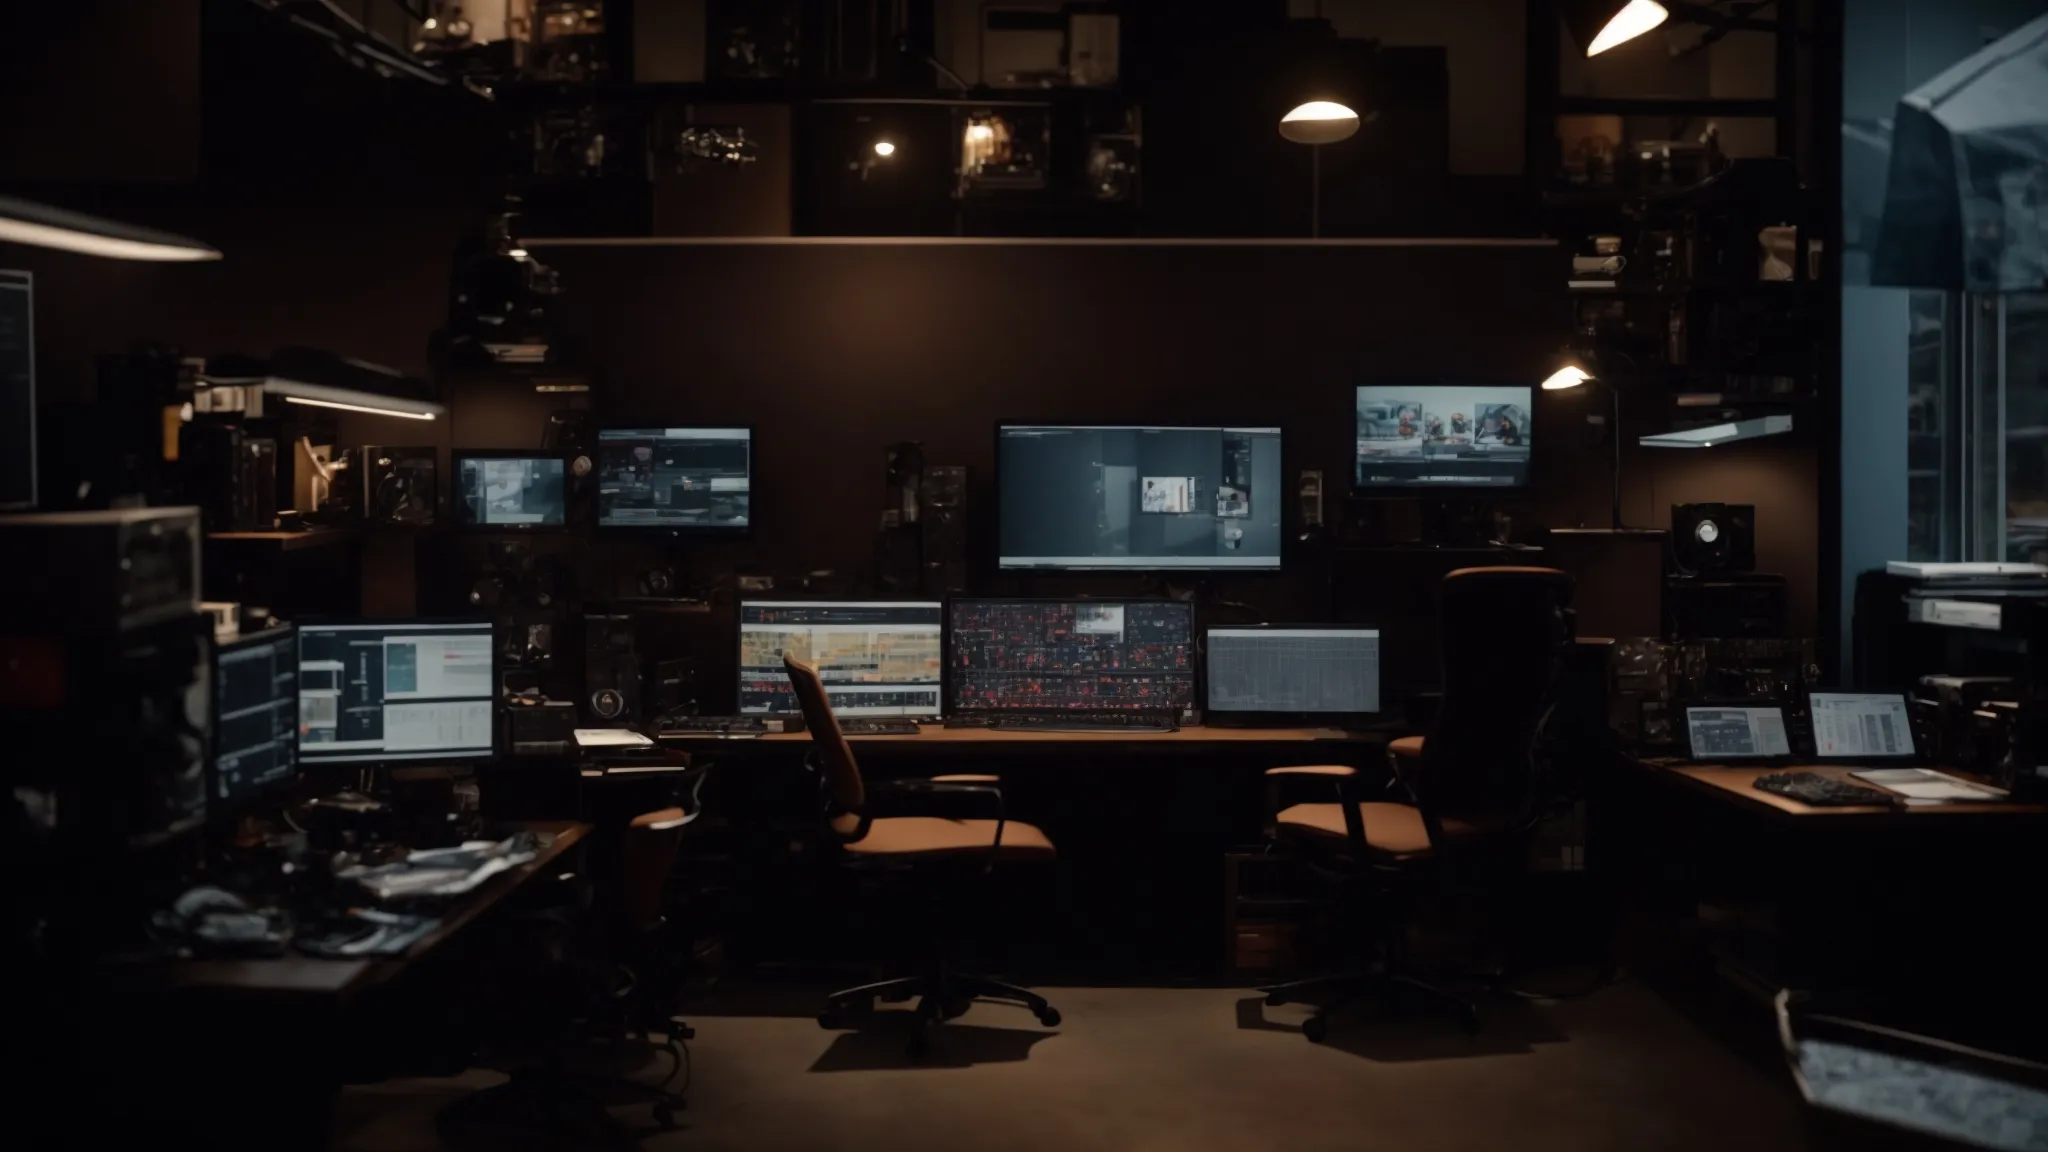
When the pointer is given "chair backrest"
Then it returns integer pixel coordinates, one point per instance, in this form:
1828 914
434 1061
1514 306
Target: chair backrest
842 772
653 841
1505 631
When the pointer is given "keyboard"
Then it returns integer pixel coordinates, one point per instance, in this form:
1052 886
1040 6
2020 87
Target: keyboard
865 726
687 727
1817 791
1084 722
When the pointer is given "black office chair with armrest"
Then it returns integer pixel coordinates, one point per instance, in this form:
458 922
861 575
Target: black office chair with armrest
1468 796
563 988
939 854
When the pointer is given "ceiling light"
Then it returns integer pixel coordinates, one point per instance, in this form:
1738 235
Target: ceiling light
1712 434
41 226
884 148
1604 24
358 408
1319 122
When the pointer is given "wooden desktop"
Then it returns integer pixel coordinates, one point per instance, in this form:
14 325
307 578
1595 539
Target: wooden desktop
1736 785
1194 738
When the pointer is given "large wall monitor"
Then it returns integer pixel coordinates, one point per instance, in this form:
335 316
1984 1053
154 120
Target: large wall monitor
395 691
1293 671
1442 436
1070 655
876 657
1081 497
509 491
679 479
255 718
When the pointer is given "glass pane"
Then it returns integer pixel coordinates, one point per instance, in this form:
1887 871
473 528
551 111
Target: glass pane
2023 348
1928 418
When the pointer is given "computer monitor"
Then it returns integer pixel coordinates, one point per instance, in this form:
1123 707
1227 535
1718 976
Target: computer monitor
1442 436
675 479
510 491
396 691
1292 670
876 657
255 719
1138 497
1069 655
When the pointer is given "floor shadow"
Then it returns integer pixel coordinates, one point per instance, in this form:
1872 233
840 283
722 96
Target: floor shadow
879 1044
1507 1027
758 998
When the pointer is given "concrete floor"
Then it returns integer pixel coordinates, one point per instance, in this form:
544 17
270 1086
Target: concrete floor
1141 1069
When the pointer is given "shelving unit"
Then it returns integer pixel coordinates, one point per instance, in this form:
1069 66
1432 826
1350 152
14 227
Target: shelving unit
1691 338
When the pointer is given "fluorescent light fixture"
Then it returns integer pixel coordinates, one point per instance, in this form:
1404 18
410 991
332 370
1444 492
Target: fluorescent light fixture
41 226
1319 122
349 399
1711 434
1635 18
358 408
1569 376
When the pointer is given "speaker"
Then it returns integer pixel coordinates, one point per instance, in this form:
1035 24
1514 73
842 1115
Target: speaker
1714 537
399 485
943 517
571 433
1311 495
232 476
611 670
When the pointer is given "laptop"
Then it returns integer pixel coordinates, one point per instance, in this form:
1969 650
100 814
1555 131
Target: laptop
1874 732
1862 727
1737 734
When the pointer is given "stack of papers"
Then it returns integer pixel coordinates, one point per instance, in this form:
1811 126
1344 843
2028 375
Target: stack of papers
611 738
1926 786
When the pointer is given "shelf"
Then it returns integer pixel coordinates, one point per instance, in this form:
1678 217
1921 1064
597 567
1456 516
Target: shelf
1664 106
290 541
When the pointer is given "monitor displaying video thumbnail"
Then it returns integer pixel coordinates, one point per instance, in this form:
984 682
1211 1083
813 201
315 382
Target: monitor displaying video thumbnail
1443 436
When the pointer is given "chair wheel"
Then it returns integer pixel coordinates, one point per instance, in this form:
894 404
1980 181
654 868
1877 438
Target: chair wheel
1050 1017
958 1006
1316 1029
664 1116
920 1044
829 1020
1275 999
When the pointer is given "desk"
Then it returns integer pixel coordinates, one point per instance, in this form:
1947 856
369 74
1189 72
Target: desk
970 741
1142 820
250 1053
297 975
1912 913
1735 785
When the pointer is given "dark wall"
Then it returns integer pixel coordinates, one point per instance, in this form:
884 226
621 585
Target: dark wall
833 349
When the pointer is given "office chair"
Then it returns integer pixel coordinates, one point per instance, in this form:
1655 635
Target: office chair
1467 797
939 855
570 987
